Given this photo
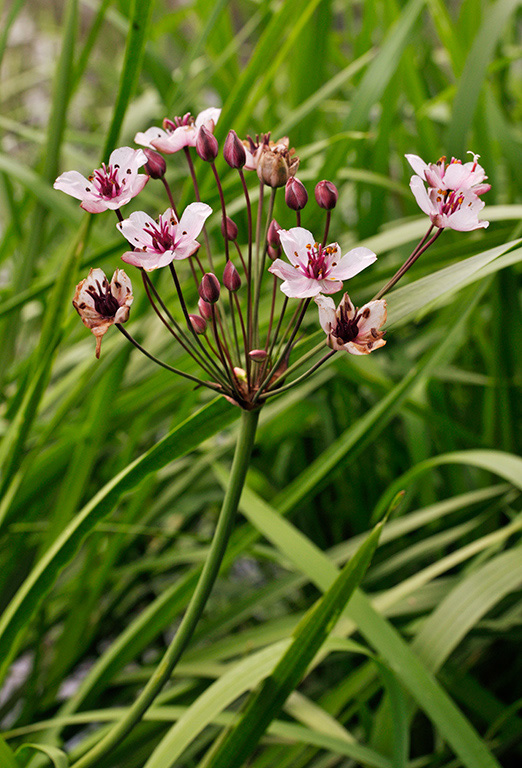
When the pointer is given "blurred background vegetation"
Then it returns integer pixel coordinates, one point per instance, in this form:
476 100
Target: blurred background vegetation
355 85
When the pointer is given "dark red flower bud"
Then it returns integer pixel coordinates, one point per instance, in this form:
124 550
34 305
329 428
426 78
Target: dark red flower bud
326 195
296 196
234 151
205 309
228 229
206 145
209 288
198 324
155 165
258 355
273 253
273 234
231 279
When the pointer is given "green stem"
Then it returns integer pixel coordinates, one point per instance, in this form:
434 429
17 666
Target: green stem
245 442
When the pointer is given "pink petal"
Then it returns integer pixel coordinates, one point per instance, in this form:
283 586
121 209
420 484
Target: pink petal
145 137
193 219
301 287
294 242
132 229
185 249
352 263
210 115
74 184
418 165
128 160
148 261
326 307
420 194
94 206
137 184
457 176
330 286
183 136
283 270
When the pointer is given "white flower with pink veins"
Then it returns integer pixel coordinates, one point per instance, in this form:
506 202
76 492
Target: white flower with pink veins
158 243
110 186
314 268
455 175
178 133
353 330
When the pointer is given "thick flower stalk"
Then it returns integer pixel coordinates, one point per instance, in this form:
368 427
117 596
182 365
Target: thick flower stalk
244 354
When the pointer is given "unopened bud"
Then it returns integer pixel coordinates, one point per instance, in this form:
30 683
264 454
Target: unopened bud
198 323
205 309
206 145
240 375
258 355
155 165
326 195
209 288
231 279
273 234
273 253
228 228
296 196
234 151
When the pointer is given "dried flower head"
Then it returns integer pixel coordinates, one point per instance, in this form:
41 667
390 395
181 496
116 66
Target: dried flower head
100 305
353 330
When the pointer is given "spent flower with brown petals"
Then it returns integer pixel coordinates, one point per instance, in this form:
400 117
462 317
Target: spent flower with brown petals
101 304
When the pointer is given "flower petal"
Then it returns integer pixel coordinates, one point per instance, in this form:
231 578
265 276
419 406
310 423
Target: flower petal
210 115
372 315
353 262
127 160
74 184
284 271
121 288
327 317
193 219
301 288
145 137
418 165
132 229
294 242
420 194
182 136
144 259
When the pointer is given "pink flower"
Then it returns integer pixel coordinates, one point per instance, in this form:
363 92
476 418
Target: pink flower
110 186
315 269
160 242
178 133
100 305
447 208
455 175
353 330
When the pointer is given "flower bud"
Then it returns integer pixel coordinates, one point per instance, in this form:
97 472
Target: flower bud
198 323
231 279
258 355
209 288
155 166
273 253
206 145
275 168
326 195
273 234
228 229
240 375
205 309
234 151
296 196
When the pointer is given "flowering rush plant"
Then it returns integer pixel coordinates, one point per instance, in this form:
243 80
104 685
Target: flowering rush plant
243 336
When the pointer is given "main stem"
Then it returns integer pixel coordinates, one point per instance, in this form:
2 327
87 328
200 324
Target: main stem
245 442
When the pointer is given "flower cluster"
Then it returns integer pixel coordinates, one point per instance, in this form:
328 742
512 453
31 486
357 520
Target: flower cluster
242 358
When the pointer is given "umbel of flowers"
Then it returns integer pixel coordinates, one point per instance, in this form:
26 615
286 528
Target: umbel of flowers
239 357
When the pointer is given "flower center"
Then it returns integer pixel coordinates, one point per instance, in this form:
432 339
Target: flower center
105 180
104 302
161 234
319 261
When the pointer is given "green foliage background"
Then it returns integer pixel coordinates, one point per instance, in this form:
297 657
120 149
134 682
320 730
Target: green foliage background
113 470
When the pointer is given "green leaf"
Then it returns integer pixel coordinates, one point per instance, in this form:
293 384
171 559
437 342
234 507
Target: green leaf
262 707
7 756
180 441
57 757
